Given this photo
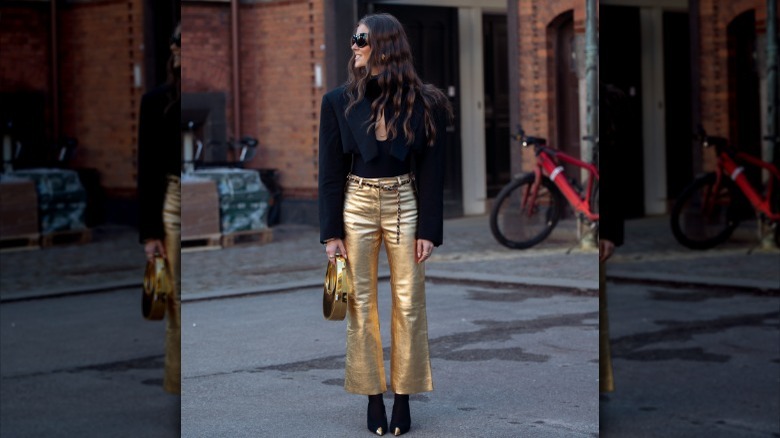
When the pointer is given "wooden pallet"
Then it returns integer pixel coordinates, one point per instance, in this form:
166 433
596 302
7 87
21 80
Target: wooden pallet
79 237
205 242
259 237
20 243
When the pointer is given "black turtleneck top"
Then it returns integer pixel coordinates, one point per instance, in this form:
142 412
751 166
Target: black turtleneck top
384 164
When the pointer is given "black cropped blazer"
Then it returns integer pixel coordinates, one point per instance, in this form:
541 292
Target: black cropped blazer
342 136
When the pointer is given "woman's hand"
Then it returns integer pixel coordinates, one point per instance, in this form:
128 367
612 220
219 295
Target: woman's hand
424 250
606 248
333 247
154 246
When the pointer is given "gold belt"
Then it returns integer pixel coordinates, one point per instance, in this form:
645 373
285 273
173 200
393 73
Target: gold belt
389 188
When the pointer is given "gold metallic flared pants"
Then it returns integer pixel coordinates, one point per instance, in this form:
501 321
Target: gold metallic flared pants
606 381
373 216
172 223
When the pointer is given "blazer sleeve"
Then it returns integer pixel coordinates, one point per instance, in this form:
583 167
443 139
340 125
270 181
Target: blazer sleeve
612 120
151 172
429 173
334 165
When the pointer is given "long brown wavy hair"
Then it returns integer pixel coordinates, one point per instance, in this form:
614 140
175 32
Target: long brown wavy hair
174 77
398 80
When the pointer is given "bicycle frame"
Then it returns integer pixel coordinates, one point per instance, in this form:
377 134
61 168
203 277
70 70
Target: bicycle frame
546 163
731 168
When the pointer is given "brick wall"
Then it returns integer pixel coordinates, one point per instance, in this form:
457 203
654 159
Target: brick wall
280 42
536 55
206 49
24 38
715 19
100 43
25 56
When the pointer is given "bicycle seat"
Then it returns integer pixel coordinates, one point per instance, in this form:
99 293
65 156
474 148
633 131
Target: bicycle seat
535 140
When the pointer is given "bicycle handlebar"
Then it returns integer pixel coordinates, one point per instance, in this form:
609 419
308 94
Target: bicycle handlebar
526 140
720 143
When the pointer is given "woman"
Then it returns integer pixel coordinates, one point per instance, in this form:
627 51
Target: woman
159 193
381 180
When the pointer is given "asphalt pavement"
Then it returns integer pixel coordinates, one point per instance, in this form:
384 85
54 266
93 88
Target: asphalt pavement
251 320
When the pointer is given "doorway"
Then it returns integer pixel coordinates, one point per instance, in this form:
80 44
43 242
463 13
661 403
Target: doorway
497 123
677 92
566 131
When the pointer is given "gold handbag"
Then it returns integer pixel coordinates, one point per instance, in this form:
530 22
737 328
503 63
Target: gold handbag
334 297
157 288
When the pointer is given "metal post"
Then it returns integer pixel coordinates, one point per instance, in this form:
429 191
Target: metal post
767 240
587 237
592 77
771 77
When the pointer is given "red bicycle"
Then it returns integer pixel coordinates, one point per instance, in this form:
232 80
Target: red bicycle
527 209
707 211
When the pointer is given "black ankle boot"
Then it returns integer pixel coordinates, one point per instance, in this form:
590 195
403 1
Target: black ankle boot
377 418
402 419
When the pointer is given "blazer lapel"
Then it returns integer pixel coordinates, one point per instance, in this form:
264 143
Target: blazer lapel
366 140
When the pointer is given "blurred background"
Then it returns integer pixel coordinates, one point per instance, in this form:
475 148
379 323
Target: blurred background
78 359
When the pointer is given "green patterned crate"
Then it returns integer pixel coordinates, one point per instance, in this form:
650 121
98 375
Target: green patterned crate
244 216
62 200
243 199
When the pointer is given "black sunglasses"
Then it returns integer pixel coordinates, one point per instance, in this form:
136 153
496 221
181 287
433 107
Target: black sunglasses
175 39
360 40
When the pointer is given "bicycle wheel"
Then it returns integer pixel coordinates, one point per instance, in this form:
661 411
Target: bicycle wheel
704 215
520 220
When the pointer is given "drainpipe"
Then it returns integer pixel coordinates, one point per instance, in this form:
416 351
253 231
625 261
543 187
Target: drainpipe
235 67
55 89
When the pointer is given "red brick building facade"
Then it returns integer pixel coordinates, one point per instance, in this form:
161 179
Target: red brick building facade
290 52
279 45
89 68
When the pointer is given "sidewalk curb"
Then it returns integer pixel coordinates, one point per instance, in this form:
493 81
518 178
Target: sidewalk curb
433 274
562 283
71 291
764 285
472 277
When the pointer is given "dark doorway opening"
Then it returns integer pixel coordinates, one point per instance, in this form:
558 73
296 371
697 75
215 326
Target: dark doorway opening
566 122
620 66
496 73
677 89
